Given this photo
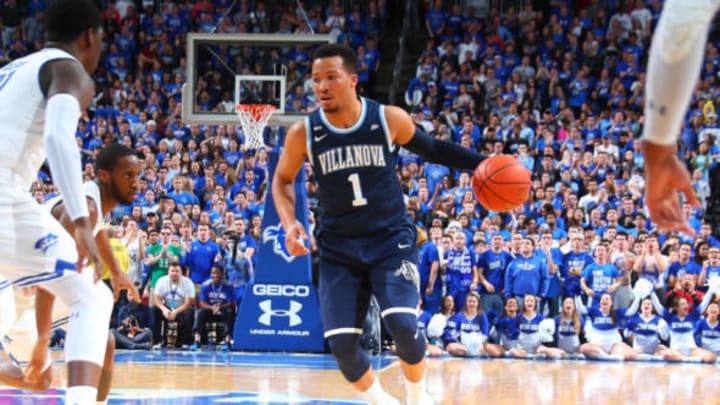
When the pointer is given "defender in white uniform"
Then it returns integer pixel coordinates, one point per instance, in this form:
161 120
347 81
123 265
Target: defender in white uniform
116 183
41 97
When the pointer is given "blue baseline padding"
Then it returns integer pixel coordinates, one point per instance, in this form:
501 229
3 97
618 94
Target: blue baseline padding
280 311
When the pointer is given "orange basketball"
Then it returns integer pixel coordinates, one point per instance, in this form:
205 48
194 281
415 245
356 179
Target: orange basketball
501 183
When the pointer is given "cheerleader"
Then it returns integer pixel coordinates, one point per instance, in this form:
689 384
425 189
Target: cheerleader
569 326
603 335
681 323
506 329
530 343
646 329
466 332
707 331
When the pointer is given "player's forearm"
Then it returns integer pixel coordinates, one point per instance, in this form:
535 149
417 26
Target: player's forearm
61 115
43 314
444 153
284 197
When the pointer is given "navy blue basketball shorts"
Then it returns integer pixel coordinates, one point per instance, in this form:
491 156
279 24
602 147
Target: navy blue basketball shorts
354 268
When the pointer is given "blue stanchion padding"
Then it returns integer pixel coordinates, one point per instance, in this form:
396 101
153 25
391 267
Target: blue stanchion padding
280 311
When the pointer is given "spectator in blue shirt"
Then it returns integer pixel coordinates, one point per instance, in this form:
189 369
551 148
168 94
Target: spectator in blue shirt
203 253
216 303
527 273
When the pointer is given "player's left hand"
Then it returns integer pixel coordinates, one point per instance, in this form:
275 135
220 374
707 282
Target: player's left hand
666 175
121 281
295 237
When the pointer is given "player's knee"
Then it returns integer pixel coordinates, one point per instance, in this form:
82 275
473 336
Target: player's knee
403 328
352 361
87 335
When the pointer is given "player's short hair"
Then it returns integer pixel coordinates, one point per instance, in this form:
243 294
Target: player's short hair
65 20
348 55
109 155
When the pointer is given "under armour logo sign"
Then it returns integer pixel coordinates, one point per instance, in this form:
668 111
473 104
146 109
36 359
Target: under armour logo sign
269 312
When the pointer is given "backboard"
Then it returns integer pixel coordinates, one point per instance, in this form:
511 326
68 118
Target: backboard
226 69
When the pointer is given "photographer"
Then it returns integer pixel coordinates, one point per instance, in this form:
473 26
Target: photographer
133 333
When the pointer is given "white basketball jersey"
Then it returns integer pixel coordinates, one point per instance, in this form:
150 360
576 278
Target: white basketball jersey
92 191
22 115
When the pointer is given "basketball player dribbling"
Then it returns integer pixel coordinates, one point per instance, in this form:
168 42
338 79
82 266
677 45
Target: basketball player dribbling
366 239
117 169
41 97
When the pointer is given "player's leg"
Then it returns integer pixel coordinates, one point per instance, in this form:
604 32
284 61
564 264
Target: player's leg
344 298
10 373
395 284
108 367
36 250
674 63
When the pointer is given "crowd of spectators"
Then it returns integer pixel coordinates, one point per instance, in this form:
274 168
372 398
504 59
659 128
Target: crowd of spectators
560 90
563 91
202 192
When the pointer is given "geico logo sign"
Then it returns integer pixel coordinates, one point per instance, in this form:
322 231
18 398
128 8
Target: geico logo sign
281 290
268 312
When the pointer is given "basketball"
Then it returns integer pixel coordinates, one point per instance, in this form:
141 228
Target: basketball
501 183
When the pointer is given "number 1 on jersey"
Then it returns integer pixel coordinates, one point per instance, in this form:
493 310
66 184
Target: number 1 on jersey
359 200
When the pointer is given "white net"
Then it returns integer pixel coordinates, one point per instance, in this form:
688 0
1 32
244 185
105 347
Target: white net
253 119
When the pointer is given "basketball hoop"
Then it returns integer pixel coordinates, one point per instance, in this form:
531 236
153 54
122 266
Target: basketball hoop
253 119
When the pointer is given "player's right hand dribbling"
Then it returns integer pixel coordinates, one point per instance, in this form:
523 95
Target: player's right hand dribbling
295 238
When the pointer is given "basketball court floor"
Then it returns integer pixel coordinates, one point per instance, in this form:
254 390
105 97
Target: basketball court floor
184 378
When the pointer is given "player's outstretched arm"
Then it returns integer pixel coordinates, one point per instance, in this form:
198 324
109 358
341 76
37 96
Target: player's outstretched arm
404 132
68 88
283 187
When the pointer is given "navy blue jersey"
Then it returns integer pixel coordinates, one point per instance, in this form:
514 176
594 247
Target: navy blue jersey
359 193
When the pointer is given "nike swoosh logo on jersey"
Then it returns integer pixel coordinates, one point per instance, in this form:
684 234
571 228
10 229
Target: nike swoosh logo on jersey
320 138
403 245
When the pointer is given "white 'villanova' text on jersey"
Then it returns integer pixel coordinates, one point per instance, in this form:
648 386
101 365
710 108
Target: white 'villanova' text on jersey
22 113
